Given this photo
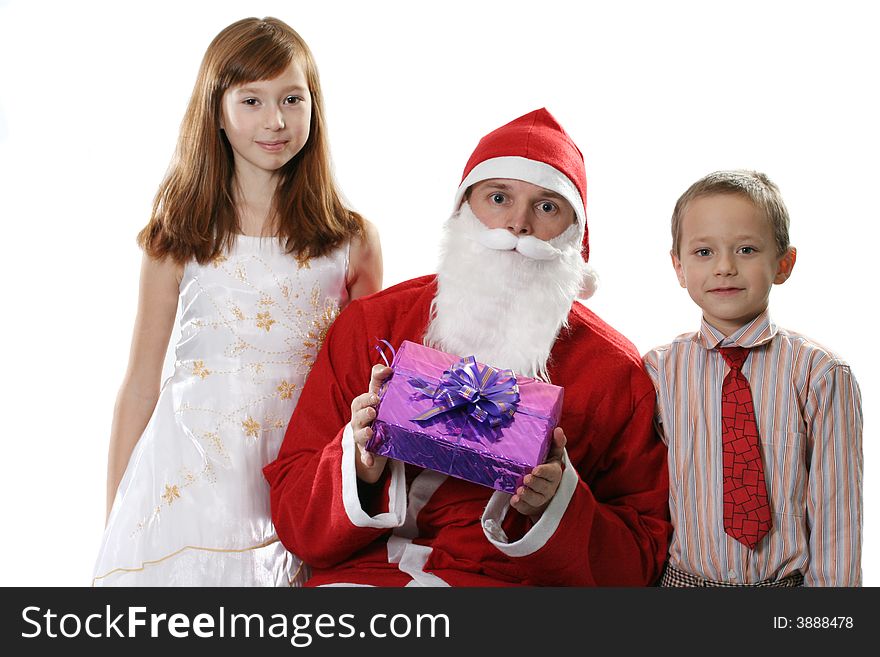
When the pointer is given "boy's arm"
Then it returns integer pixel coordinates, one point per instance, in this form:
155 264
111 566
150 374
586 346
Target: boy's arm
834 497
651 364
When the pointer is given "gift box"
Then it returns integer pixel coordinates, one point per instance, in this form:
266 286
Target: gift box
460 417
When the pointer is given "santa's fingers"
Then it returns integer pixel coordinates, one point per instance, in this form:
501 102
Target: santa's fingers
363 401
551 471
540 485
378 375
518 503
557 447
532 497
363 418
361 438
369 466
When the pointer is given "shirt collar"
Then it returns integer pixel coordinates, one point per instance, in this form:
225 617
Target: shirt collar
757 332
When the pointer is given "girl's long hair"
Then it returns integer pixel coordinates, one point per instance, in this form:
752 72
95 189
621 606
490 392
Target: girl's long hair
194 214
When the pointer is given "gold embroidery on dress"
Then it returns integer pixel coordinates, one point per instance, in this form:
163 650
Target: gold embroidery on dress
264 320
324 320
214 439
199 369
218 260
171 493
275 422
237 348
208 473
286 389
317 326
186 548
251 427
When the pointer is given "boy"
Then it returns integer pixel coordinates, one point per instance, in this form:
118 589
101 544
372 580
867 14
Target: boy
763 426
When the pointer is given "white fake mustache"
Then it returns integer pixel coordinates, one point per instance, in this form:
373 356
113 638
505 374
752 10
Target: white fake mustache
499 239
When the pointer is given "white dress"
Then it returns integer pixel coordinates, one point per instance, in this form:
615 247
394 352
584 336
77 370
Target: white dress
193 507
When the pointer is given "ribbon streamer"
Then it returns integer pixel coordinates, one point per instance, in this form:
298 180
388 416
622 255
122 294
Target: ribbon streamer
382 352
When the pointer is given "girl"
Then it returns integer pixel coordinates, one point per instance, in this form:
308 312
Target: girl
249 231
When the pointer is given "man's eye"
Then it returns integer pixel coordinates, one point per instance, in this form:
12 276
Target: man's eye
497 198
547 206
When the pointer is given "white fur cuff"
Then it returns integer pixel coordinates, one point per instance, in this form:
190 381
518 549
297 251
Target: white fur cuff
541 531
352 503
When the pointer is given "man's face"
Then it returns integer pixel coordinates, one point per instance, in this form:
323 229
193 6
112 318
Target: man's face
521 208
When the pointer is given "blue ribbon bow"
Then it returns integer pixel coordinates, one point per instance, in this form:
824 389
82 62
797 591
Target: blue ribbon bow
487 395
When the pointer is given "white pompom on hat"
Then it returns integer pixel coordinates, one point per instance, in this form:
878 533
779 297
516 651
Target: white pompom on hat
535 149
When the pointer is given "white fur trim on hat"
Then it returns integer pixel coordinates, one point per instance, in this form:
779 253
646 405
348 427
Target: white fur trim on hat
531 171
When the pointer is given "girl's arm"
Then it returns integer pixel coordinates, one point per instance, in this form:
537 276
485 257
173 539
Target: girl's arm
365 264
157 305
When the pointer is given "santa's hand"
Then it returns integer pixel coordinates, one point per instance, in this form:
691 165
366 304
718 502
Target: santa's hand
541 484
369 467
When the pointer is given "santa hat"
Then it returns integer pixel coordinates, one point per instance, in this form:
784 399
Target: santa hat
534 148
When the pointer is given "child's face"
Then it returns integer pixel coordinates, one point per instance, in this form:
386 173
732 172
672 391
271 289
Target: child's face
267 122
728 259
520 207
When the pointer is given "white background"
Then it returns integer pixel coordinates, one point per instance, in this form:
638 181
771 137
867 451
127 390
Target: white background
655 93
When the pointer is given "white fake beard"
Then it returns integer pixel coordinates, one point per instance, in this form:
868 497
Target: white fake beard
501 306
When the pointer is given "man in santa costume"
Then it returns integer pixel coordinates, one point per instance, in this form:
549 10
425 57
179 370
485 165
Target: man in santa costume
513 262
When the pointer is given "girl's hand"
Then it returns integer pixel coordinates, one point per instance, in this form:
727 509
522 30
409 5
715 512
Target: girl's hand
369 467
541 484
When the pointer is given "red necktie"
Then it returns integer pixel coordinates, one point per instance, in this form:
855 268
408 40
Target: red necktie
746 509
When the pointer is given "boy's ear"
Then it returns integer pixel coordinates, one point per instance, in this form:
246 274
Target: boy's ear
786 264
676 264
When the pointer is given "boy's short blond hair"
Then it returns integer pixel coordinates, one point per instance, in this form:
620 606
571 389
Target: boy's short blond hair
755 186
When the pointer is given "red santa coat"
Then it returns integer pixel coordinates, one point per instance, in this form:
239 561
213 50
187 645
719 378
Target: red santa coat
607 525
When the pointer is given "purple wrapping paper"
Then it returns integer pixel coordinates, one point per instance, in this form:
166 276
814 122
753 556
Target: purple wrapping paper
451 442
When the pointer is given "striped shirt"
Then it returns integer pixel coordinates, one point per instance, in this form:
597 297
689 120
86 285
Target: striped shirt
808 410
